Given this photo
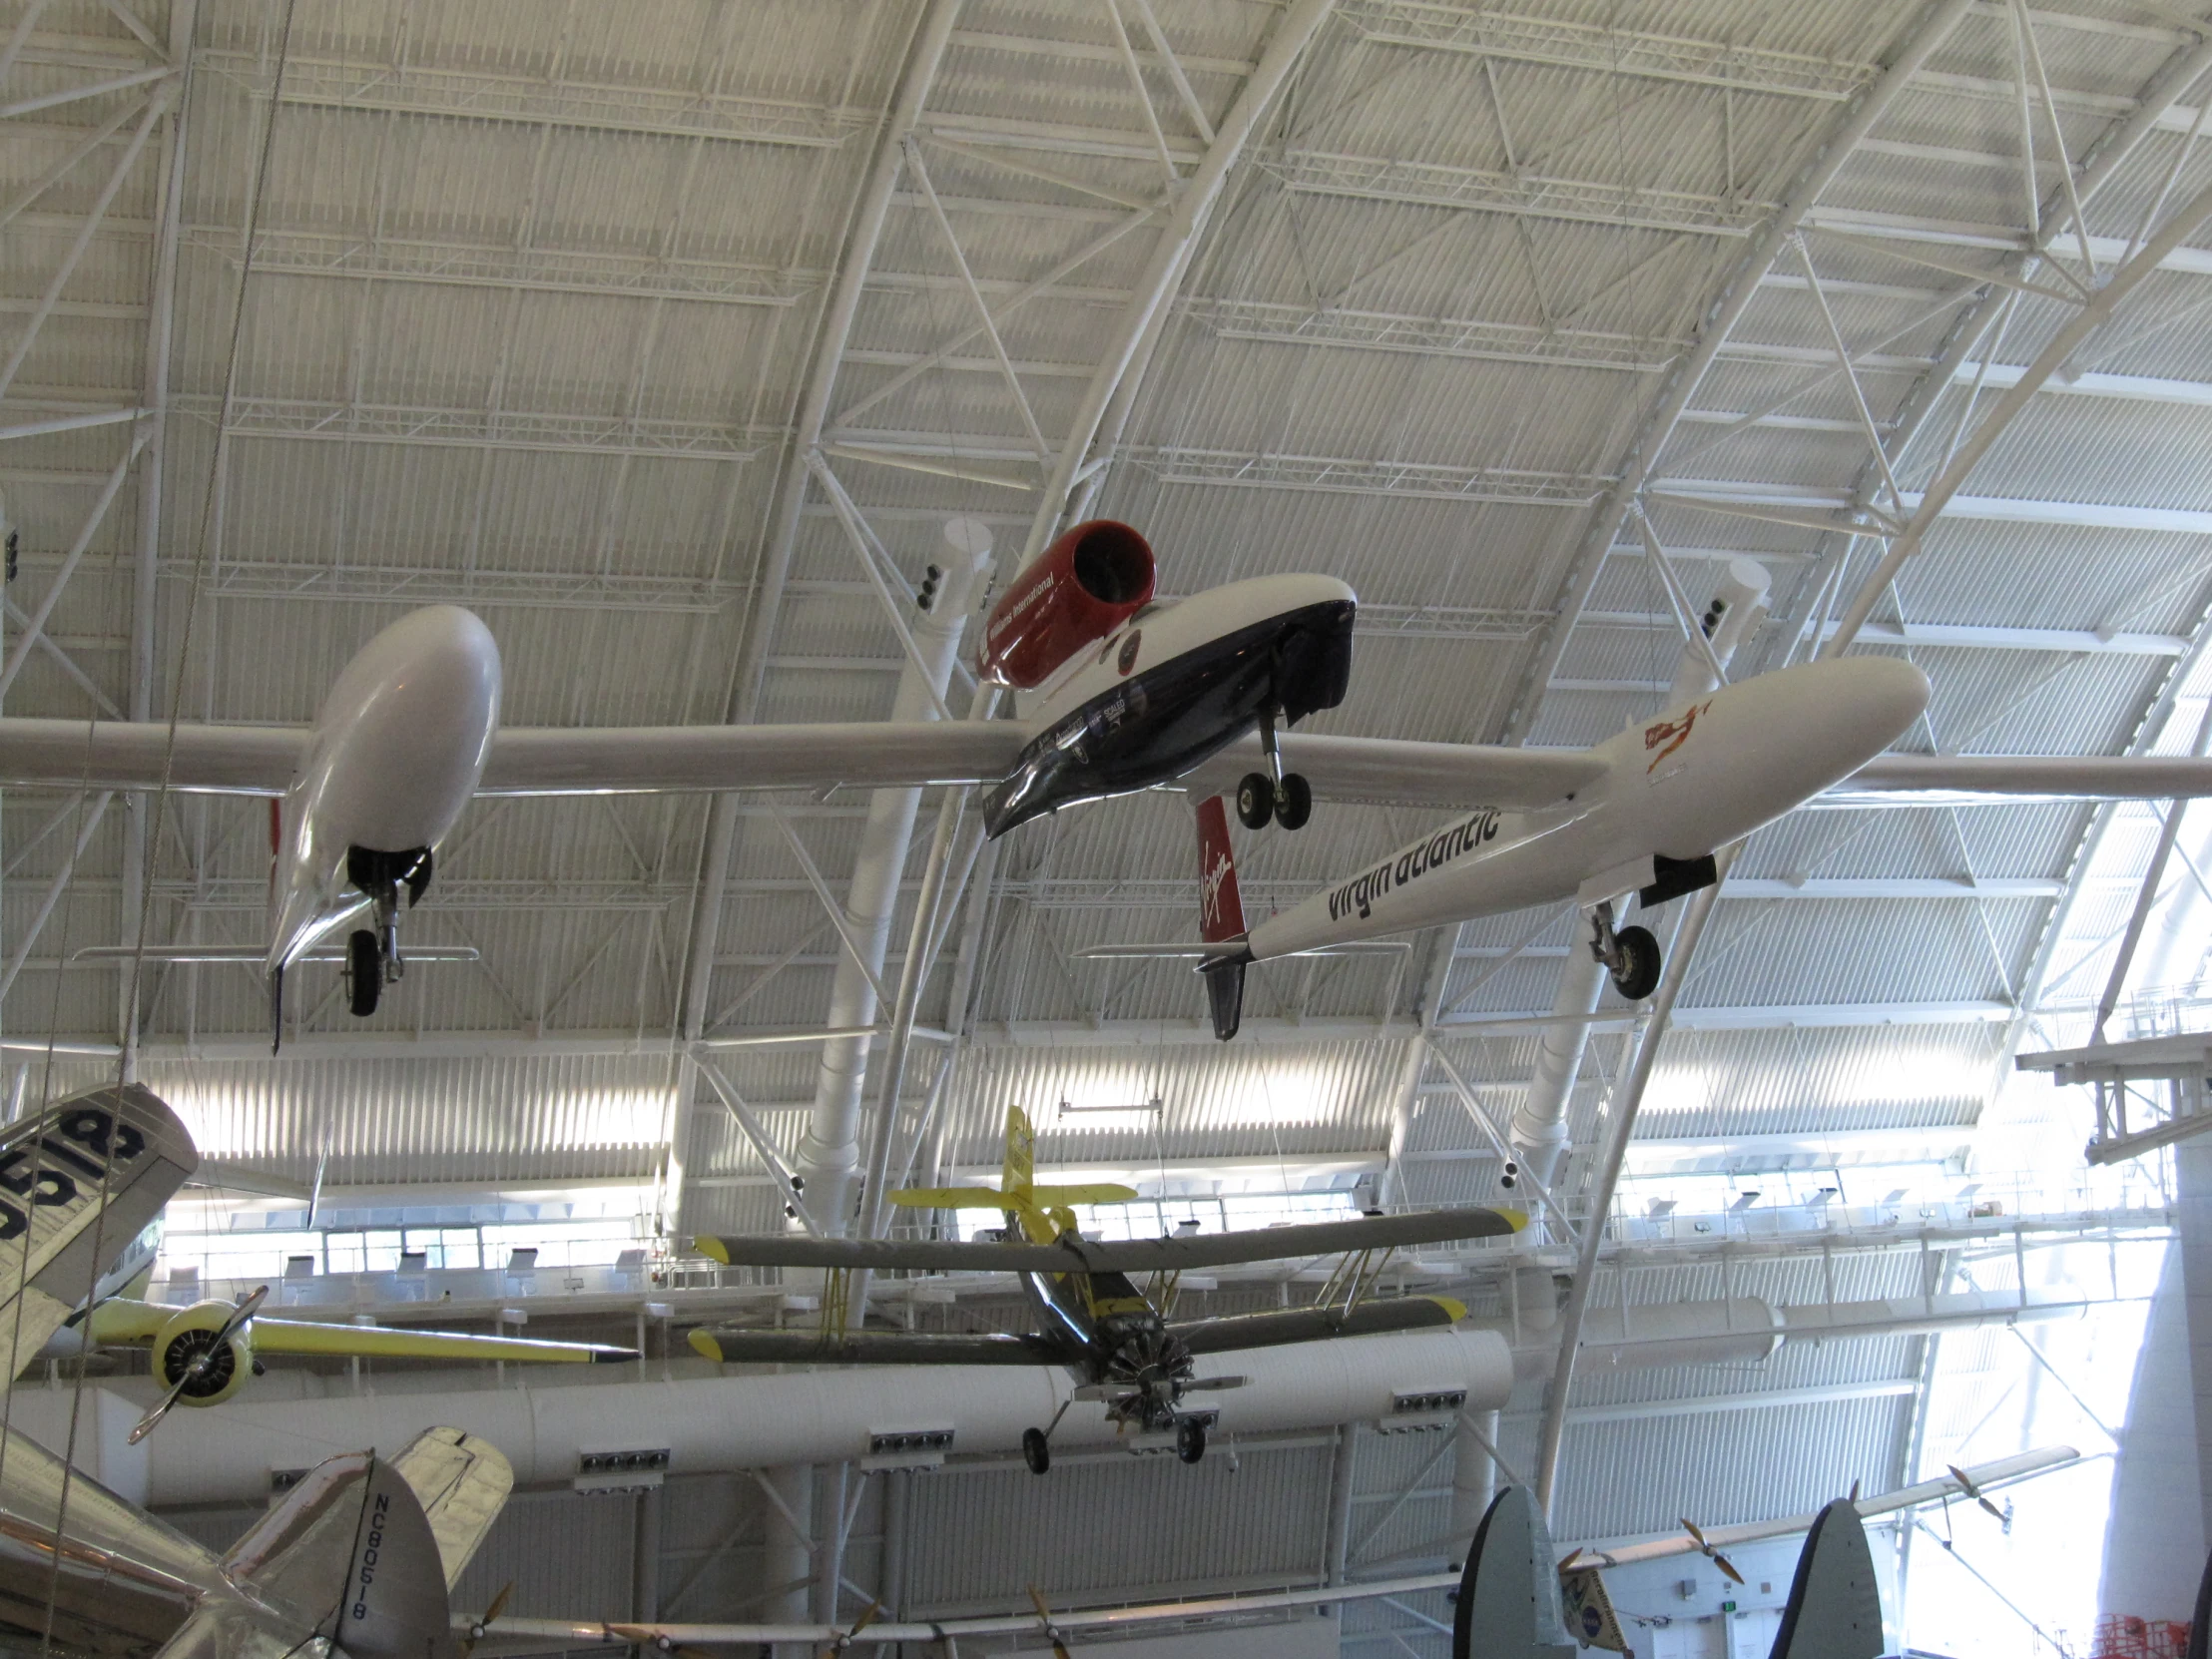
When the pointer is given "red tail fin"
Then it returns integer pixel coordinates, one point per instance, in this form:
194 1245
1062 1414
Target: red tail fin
1220 905
1220 917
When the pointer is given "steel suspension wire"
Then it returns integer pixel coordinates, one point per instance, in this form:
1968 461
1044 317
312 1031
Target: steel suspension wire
126 1060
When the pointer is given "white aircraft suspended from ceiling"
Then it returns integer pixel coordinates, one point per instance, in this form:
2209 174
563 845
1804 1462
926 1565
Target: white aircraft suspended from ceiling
1114 693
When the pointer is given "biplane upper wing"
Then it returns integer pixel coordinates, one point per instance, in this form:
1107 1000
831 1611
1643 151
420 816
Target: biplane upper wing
83 1178
1076 1255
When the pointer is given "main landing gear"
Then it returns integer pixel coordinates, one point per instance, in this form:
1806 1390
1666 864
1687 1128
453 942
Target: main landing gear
372 957
1630 955
1036 1443
1285 796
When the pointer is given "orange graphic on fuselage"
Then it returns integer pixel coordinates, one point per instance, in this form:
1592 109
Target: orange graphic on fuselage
1672 733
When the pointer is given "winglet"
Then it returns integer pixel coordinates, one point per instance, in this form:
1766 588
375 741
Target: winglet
712 1249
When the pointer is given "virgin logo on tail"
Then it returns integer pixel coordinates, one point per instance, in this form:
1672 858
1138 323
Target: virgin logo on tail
1220 905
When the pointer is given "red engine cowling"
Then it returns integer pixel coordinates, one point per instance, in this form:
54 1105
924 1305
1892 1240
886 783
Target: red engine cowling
1089 582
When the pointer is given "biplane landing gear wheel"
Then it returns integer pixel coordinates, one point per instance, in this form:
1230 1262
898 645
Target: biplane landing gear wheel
1036 1450
1254 799
1294 801
1635 966
364 971
1190 1439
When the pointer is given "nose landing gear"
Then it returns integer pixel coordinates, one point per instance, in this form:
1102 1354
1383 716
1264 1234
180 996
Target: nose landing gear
1285 796
372 957
1631 954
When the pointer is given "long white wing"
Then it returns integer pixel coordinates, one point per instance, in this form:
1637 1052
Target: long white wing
606 760
128 754
1451 777
2051 777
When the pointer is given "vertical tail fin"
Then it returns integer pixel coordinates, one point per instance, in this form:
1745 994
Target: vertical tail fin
1220 915
1220 904
1019 1172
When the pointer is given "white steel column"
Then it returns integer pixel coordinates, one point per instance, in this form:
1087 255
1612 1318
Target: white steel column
828 1156
924 59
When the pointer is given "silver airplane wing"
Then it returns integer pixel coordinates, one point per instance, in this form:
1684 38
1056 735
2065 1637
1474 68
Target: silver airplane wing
81 1179
1076 1255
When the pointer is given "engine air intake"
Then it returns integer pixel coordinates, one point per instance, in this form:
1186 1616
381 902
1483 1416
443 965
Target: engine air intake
1087 584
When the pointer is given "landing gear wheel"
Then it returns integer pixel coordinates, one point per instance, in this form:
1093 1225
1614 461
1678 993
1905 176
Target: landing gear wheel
364 971
1294 801
1190 1439
1036 1450
1635 966
1255 801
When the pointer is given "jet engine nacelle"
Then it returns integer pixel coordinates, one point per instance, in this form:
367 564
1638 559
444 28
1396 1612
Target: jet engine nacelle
1089 582
189 1333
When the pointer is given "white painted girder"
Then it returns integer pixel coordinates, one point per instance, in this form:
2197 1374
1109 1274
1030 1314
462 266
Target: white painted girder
480 94
317 420
503 266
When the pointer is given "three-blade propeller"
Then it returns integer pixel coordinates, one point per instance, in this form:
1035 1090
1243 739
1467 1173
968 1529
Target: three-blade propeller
1713 1555
200 1363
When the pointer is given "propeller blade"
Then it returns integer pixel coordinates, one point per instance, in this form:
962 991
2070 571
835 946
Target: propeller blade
248 1307
1695 1537
1566 1563
1727 1566
1986 1504
1965 1484
1044 1617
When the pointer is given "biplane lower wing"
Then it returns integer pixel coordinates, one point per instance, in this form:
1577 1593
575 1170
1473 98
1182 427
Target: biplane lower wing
1277 1326
873 1347
1076 1255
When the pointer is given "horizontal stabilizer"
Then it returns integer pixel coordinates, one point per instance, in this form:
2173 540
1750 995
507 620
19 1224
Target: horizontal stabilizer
462 1483
1078 1254
1277 1326
949 1198
873 1347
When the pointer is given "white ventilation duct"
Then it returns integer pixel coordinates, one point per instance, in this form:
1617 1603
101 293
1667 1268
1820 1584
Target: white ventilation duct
829 1155
714 1424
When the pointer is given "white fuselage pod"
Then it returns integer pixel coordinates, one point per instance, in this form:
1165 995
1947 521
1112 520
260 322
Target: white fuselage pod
1164 633
1681 785
395 755
1173 685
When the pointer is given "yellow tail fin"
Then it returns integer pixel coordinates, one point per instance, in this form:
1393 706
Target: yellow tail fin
1019 1174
